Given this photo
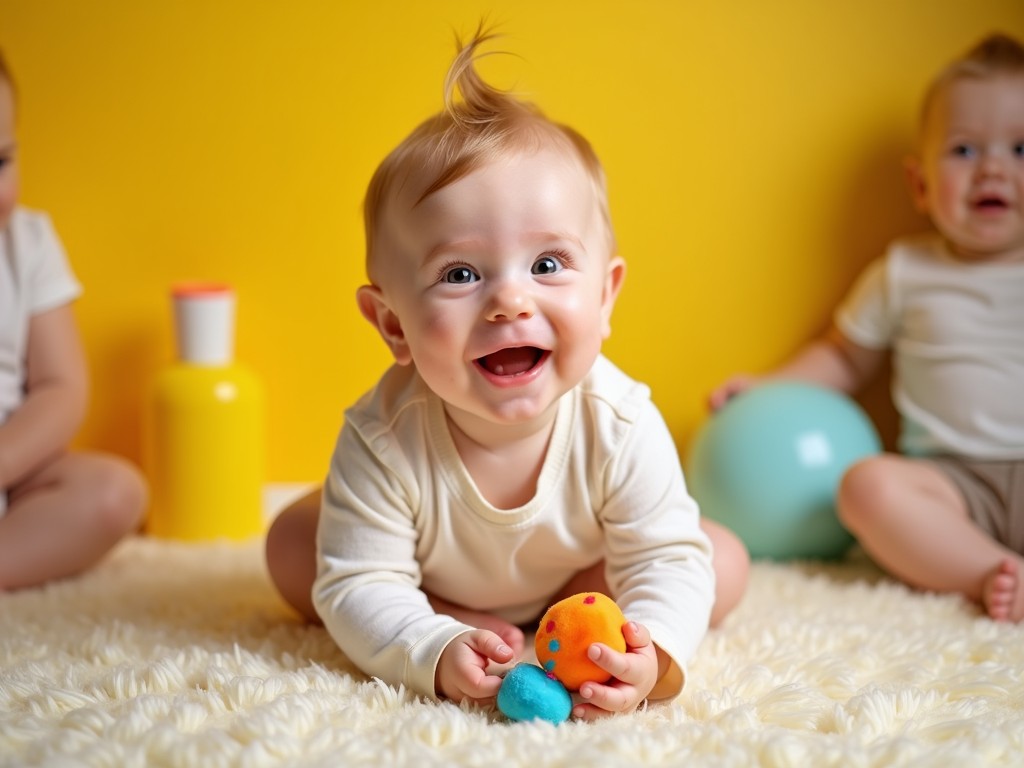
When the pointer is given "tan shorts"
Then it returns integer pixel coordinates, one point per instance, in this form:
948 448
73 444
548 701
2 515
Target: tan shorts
994 493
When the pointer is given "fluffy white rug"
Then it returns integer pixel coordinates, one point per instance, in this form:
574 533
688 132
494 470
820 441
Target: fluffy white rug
181 655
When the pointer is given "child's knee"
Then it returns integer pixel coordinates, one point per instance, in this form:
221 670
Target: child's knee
731 555
120 497
279 540
865 491
293 533
731 563
290 552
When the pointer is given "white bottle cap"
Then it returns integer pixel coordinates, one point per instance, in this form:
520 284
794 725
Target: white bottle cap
204 322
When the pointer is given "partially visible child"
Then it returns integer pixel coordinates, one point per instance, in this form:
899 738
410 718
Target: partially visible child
948 515
502 463
60 511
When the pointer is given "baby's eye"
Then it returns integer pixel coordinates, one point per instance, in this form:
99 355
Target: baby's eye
460 275
546 265
962 150
1018 149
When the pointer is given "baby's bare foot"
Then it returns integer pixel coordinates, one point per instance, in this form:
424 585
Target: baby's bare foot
1001 593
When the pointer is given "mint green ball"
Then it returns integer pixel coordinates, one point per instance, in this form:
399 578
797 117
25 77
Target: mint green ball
767 465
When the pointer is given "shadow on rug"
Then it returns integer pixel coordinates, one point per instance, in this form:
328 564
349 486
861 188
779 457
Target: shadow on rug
182 655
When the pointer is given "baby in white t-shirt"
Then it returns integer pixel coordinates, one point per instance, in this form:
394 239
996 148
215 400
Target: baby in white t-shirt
948 514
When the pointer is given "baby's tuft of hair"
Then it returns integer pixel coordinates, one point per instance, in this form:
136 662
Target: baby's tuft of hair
479 124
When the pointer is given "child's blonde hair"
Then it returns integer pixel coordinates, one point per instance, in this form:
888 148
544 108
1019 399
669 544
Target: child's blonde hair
485 125
997 54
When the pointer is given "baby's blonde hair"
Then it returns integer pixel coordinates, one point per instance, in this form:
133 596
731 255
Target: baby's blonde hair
487 124
995 55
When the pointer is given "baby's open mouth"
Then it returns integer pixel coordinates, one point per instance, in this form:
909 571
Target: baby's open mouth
512 361
990 203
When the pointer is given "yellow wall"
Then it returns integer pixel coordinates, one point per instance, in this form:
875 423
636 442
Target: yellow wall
753 150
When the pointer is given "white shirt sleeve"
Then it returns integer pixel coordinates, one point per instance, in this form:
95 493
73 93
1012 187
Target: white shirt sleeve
51 281
34 277
865 315
658 558
368 587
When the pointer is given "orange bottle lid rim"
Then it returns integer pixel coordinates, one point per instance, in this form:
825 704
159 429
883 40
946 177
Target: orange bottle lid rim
199 289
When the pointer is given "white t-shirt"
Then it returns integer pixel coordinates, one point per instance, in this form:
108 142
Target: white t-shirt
34 277
400 511
957 334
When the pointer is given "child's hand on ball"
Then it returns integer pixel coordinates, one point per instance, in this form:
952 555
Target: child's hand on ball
634 674
462 669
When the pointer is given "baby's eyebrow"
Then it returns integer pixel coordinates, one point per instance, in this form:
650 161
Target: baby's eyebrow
546 239
538 239
452 247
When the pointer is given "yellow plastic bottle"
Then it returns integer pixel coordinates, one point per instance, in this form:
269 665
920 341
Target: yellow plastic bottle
206 442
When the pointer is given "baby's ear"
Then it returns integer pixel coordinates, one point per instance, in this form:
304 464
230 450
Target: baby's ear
916 182
376 309
612 285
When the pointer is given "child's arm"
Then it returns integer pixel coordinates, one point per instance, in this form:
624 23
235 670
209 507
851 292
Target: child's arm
657 557
56 390
367 589
832 361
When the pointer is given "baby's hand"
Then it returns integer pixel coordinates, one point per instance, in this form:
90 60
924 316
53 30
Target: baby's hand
730 389
634 674
462 668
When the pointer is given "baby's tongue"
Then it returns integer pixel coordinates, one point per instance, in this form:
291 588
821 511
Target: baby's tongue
509 362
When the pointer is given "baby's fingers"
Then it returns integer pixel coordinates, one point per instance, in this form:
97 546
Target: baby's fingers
632 667
602 700
635 635
616 664
490 646
634 674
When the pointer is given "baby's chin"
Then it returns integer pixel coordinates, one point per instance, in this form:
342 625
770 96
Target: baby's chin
981 249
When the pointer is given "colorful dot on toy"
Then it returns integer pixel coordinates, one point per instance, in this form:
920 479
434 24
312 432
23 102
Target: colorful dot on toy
529 693
569 628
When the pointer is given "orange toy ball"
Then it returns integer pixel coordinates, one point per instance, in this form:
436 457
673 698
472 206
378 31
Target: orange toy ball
567 630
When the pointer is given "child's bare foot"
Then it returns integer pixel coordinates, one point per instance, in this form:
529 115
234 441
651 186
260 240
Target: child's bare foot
510 633
1001 593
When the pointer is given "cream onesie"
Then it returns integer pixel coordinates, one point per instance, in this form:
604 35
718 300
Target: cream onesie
401 512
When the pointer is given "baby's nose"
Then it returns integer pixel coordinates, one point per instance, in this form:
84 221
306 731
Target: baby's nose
994 163
511 301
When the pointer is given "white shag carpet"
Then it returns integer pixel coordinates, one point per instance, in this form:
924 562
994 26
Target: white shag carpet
170 654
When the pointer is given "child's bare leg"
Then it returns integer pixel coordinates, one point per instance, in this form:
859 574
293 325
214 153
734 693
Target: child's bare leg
913 521
65 517
291 553
732 569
